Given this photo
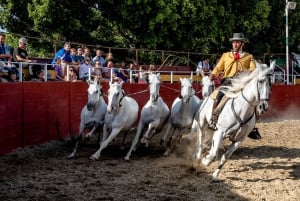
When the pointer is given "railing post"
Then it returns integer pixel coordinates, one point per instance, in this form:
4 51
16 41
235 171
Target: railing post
46 74
20 72
171 76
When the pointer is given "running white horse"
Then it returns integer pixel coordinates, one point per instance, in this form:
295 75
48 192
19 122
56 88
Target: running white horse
248 94
154 115
207 88
92 114
122 113
182 115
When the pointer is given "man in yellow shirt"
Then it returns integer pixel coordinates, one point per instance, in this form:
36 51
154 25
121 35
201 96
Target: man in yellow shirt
230 64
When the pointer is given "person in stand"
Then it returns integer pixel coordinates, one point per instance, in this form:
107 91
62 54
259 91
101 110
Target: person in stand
38 76
72 76
5 54
20 54
135 74
231 64
99 58
85 68
64 54
203 67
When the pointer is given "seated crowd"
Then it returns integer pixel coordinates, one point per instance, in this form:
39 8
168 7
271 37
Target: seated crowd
68 64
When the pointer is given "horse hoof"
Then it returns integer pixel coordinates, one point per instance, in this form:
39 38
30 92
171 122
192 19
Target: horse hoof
93 158
205 161
126 158
71 156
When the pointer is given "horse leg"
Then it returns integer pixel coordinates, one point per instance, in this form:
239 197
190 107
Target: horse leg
145 138
199 151
216 141
193 128
91 132
134 142
169 143
163 140
234 146
77 141
113 134
123 142
73 154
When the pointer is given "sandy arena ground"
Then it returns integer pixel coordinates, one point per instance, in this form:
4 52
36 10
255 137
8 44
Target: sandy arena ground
266 170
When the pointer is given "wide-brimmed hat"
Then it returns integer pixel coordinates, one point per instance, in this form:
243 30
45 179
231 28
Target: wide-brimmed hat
238 37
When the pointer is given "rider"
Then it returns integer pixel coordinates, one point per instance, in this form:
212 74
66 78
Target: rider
231 63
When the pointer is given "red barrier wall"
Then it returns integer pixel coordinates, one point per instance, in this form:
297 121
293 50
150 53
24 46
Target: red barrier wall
33 113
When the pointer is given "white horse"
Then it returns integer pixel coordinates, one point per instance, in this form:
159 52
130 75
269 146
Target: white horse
183 112
122 113
92 114
248 94
154 115
207 88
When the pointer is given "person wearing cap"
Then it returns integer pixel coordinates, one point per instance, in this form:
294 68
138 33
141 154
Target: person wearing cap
231 63
85 69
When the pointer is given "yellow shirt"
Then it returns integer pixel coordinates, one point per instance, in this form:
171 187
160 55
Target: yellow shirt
230 66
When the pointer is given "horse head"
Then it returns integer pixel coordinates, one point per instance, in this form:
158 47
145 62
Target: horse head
207 86
263 86
187 90
115 95
154 84
94 93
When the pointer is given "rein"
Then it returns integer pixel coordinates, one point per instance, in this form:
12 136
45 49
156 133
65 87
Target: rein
238 117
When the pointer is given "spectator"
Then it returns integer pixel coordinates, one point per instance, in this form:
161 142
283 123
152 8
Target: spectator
85 68
99 58
97 69
10 77
87 53
5 54
120 74
107 70
203 67
80 54
20 54
38 76
59 69
64 54
142 75
71 76
74 56
109 57
134 73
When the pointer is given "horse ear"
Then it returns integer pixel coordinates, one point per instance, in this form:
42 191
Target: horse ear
257 64
272 65
180 79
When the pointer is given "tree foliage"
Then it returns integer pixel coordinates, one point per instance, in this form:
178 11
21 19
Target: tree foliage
181 25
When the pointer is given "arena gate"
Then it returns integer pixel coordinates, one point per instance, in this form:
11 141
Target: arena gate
33 113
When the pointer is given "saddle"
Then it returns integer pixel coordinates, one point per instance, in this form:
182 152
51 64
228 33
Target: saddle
214 94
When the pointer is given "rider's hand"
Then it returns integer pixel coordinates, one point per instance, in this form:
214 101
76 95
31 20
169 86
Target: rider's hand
212 76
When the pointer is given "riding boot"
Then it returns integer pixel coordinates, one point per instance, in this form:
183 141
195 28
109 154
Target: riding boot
214 117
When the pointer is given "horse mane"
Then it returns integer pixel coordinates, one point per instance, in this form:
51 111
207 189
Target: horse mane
239 82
